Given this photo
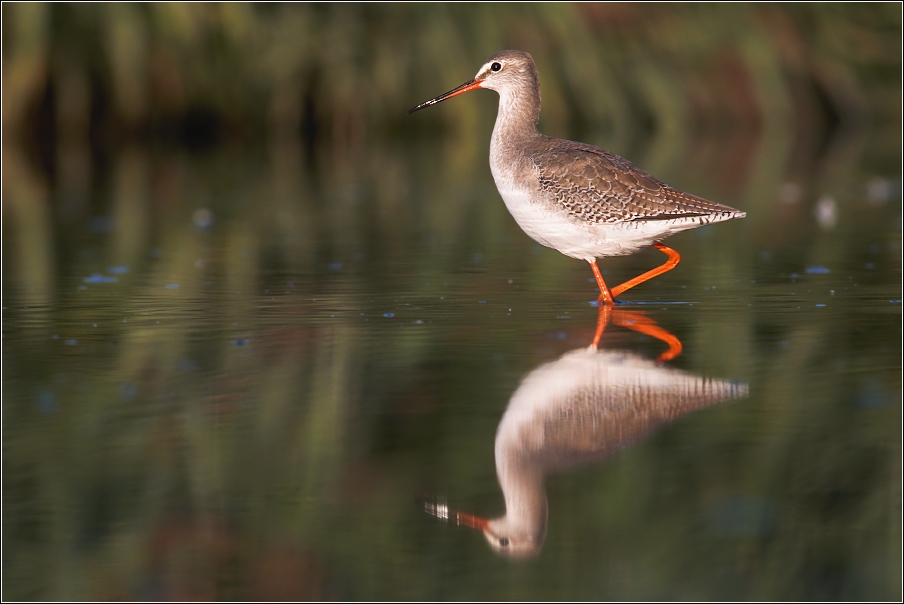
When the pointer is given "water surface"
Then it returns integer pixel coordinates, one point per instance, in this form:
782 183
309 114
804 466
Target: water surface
235 375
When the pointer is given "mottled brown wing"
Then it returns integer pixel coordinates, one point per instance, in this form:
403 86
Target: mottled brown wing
597 186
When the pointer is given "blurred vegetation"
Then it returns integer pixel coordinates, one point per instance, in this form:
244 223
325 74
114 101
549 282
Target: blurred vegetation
222 421
203 73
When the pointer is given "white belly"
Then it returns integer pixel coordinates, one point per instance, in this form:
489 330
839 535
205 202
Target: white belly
582 240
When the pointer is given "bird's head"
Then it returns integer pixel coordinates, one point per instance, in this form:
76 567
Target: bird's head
504 536
504 71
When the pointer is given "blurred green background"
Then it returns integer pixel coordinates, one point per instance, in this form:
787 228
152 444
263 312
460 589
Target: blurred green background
242 325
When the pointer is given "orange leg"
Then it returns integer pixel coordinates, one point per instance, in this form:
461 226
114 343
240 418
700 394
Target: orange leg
605 296
672 262
647 326
638 322
602 319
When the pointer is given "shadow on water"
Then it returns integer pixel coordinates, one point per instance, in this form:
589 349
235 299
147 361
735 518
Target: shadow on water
576 410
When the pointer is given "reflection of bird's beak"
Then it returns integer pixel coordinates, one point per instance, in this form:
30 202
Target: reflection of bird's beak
442 511
466 87
474 522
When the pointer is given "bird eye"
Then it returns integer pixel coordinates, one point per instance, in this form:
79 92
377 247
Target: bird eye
503 541
496 66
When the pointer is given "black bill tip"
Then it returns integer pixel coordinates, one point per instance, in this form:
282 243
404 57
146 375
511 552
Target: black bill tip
466 87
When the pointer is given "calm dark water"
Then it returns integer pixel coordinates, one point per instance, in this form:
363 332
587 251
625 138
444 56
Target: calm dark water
239 375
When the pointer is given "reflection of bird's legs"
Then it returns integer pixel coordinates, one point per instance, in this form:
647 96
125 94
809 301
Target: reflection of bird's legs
635 321
641 323
602 319
672 262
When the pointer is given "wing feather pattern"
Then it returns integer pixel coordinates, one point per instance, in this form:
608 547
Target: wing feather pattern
594 185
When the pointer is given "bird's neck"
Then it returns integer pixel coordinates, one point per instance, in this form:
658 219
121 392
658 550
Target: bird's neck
519 110
516 124
522 485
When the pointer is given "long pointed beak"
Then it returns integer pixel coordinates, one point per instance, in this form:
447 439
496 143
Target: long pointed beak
466 87
442 511
474 522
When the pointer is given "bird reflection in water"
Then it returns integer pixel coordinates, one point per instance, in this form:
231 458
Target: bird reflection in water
576 410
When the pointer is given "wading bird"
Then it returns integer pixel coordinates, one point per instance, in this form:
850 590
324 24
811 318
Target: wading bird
576 198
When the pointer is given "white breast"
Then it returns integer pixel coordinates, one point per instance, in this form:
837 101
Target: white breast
583 240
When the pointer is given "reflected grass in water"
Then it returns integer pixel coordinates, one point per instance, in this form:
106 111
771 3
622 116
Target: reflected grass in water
199 434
